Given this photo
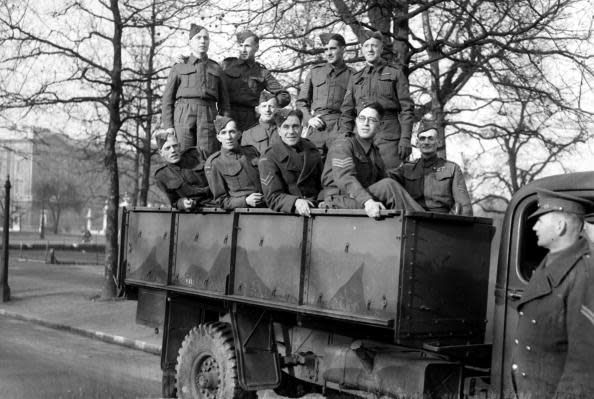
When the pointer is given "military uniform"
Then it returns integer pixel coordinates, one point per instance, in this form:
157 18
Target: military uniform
386 84
233 175
322 93
246 80
190 99
354 173
185 179
290 173
438 185
261 136
553 350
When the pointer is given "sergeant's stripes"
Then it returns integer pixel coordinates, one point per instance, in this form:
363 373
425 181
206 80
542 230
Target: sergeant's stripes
587 313
342 163
266 180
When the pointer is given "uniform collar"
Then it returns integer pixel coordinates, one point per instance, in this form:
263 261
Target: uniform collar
338 68
366 145
375 67
543 279
249 62
234 153
193 59
427 163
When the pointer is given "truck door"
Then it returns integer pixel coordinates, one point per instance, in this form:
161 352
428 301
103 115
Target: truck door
519 255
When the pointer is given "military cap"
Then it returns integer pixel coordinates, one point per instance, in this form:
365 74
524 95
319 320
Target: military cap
220 122
161 137
282 114
374 105
326 37
246 34
195 29
553 201
425 125
370 34
265 96
589 218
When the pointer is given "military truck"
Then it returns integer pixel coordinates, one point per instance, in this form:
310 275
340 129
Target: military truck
405 305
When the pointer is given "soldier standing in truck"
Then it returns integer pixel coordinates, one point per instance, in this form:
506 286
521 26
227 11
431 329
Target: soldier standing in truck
554 344
385 83
196 91
323 91
247 78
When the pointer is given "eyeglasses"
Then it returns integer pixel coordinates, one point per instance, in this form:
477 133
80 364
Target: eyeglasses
371 119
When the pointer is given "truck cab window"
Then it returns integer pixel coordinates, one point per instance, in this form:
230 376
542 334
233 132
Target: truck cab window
529 254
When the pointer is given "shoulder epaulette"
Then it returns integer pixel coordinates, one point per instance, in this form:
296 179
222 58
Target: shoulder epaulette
160 169
261 65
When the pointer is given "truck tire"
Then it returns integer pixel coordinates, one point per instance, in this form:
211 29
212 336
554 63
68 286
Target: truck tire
206 364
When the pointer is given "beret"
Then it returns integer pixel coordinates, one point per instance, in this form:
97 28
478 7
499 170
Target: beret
194 29
265 96
246 34
367 34
220 122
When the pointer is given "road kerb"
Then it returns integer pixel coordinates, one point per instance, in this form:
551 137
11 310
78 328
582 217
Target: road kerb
101 336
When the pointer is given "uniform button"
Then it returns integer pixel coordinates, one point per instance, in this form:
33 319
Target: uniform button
514 366
533 321
516 341
521 313
523 374
528 348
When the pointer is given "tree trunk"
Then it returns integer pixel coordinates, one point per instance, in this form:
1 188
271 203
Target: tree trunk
111 160
150 94
136 167
437 107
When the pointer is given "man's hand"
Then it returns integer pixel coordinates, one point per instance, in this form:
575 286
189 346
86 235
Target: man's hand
302 207
170 131
188 203
404 148
254 199
373 208
316 123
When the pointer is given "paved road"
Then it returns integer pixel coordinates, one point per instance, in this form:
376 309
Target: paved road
37 362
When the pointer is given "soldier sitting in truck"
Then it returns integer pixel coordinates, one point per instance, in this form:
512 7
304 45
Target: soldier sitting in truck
182 177
354 176
263 134
290 169
438 185
232 172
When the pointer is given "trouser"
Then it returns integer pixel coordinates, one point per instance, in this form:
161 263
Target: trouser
194 124
244 116
387 139
388 191
323 139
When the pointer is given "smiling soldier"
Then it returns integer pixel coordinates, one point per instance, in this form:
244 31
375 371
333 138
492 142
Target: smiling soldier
438 185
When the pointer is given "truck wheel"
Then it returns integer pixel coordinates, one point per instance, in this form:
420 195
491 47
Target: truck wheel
206 364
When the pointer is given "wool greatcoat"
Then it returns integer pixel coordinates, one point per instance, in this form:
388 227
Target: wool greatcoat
553 351
290 173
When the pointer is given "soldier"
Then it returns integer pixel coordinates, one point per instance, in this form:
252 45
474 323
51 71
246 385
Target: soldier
554 344
438 185
182 177
290 169
247 78
323 92
193 91
382 82
264 133
232 172
354 175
